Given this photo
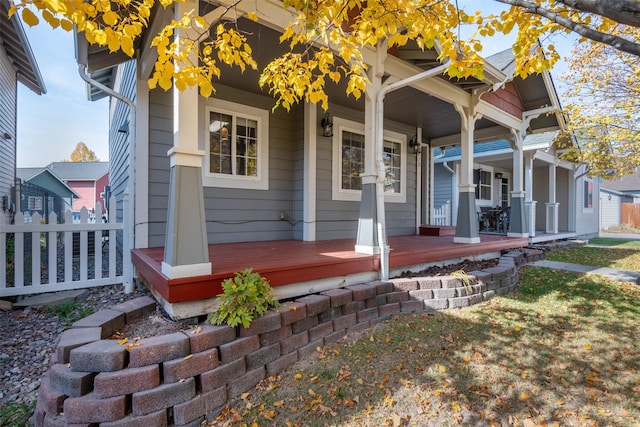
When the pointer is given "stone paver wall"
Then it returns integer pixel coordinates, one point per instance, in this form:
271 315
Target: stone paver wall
180 379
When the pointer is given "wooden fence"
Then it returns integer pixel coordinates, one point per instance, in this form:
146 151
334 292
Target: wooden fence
630 214
47 257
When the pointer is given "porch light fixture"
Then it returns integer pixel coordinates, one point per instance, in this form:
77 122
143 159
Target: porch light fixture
124 128
327 125
415 144
499 175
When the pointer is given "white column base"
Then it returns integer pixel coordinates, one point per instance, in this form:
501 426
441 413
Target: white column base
188 270
466 240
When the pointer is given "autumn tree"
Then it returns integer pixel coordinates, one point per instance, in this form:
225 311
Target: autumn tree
326 38
82 153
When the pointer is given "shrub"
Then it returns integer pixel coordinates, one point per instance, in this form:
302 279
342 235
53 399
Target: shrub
244 297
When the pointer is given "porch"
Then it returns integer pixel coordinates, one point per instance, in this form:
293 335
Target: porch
295 267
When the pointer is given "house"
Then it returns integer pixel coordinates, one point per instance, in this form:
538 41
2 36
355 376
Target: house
17 65
619 199
559 196
87 179
35 185
229 180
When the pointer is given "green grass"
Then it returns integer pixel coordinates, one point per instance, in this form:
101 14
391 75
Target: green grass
16 414
609 241
563 350
624 259
70 311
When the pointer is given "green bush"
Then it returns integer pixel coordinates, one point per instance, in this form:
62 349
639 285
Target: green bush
245 297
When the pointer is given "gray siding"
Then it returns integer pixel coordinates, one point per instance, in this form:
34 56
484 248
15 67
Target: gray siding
562 197
442 185
541 196
119 141
609 210
8 96
587 220
298 174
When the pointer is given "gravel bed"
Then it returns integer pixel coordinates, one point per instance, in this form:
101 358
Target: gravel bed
28 339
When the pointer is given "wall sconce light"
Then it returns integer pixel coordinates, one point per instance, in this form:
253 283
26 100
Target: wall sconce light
327 125
124 128
415 144
7 135
499 175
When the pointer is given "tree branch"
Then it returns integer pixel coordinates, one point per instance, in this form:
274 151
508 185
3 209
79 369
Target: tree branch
616 42
625 12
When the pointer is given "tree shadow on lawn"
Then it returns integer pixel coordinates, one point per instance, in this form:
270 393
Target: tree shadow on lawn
626 259
562 350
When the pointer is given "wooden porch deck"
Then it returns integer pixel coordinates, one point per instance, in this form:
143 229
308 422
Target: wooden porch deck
286 262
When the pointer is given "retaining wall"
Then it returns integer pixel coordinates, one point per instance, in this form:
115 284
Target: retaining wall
182 378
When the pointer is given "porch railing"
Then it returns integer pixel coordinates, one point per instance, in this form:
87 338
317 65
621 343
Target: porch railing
442 215
47 257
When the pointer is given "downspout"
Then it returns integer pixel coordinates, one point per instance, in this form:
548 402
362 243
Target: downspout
382 238
128 279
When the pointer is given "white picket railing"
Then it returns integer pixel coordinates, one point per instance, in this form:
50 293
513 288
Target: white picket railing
57 242
442 215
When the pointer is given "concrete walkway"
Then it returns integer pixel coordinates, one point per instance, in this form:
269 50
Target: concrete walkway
611 273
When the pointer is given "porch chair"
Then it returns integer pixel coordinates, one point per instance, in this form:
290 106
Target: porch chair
483 219
504 216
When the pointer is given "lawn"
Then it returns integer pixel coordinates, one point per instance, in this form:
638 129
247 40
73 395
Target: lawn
563 351
624 259
609 241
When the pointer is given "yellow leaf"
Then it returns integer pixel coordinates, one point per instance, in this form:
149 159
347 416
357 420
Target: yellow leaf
123 341
442 368
587 347
66 24
188 356
297 376
29 18
456 406
278 403
197 330
110 18
524 395
517 328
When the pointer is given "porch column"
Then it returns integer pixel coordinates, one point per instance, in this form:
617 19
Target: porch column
552 206
467 228
517 222
530 204
186 252
367 239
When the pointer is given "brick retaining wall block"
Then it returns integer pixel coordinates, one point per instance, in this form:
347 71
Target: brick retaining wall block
182 378
136 308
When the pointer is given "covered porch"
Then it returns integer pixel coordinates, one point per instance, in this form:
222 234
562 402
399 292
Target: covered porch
295 267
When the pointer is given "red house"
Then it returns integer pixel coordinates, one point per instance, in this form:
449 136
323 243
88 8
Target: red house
88 179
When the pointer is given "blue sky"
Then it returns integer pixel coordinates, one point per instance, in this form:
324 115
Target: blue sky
50 126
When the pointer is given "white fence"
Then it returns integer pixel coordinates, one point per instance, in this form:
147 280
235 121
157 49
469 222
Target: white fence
442 215
41 257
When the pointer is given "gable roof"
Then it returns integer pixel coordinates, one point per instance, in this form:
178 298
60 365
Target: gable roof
29 174
15 43
79 171
627 184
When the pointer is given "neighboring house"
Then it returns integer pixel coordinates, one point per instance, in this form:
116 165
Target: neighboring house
87 179
620 196
559 197
40 184
230 169
17 64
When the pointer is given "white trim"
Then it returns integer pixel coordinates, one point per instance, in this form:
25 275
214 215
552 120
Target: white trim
485 202
261 182
337 192
585 209
466 239
309 213
141 201
186 270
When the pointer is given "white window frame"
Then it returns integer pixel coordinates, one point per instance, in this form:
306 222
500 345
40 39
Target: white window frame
337 192
221 180
585 184
485 202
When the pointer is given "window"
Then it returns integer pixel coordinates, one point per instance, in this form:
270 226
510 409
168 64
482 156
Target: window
34 203
237 146
349 162
482 180
587 194
504 192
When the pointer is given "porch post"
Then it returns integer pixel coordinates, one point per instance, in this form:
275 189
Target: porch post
467 228
517 222
552 206
186 251
367 239
530 204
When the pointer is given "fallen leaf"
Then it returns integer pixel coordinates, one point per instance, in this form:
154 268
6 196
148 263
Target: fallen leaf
442 368
525 395
397 421
587 347
197 330
188 356
123 341
456 406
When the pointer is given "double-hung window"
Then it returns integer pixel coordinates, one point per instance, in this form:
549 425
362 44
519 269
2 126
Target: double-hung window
349 154
482 180
587 195
237 144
